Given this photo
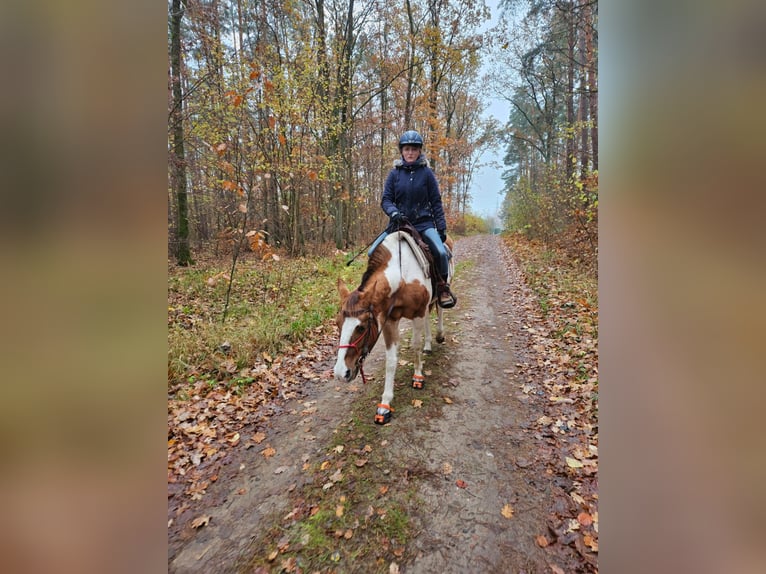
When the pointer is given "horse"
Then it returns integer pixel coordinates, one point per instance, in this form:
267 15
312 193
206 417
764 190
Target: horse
396 284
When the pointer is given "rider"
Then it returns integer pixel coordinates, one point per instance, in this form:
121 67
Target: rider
411 191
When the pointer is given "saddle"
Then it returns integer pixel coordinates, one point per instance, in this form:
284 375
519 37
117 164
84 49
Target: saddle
432 267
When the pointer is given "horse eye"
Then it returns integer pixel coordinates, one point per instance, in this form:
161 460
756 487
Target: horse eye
359 329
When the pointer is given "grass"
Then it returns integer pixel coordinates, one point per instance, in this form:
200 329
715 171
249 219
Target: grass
273 304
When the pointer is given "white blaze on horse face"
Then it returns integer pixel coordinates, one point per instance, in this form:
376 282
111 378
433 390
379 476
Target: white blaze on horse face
346 332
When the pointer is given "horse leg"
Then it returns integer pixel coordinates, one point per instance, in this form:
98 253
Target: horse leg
439 324
419 324
427 345
391 338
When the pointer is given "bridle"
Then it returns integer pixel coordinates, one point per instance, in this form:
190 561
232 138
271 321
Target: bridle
368 340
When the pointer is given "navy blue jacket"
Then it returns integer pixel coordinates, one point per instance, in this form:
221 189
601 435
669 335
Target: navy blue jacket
412 190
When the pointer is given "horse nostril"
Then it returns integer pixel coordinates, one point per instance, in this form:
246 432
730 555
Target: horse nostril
348 374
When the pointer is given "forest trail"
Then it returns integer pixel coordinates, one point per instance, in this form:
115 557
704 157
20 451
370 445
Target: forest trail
467 471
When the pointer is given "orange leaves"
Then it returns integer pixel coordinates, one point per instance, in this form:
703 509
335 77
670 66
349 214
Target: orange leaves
235 98
461 483
268 452
585 519
507 511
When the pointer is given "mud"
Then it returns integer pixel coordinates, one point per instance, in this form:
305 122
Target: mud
474 455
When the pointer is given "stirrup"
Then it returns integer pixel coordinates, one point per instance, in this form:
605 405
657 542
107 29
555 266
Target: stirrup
446 304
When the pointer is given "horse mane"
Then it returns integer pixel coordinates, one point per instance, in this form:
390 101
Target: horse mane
377 260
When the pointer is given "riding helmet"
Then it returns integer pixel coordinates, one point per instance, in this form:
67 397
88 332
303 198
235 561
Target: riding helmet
410 137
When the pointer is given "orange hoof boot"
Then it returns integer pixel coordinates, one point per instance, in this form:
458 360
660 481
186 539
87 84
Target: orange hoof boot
418 381
383 414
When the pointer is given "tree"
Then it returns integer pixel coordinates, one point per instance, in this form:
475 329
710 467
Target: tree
178 159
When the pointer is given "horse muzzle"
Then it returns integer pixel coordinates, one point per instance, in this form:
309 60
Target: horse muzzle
343 373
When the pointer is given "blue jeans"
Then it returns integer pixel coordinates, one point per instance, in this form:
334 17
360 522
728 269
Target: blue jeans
431 236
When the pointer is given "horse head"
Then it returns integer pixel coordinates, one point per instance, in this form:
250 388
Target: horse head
359 331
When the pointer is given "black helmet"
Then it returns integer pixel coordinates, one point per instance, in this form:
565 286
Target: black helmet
410 137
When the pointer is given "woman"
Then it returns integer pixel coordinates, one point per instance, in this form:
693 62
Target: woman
411 191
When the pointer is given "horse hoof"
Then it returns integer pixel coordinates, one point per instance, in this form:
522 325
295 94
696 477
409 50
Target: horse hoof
383 414
418 381
427 351
439 339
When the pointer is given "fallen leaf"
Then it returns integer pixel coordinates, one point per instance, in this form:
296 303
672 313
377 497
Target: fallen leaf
541 540
337 476
273 555
339 510
417 403
461 483
200 521
590 542
234 440
339 448
393 568
573 462
447 400
325 465
555 569
280 469
507 511
348 534
361 462
572 525
268 452
577 498
585 519
367 448
447 468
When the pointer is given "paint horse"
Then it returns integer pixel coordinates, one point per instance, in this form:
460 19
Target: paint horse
396 284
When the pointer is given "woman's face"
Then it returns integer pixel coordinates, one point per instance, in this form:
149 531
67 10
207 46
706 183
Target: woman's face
410 152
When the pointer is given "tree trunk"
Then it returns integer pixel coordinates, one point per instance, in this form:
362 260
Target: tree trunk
571 38
592 70
183 253
410 70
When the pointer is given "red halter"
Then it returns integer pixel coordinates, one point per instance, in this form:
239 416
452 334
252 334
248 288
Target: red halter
363 352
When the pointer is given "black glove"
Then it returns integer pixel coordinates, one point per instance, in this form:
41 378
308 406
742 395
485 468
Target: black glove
396 217
443 235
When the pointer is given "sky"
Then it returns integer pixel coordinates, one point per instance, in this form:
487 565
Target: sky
486 185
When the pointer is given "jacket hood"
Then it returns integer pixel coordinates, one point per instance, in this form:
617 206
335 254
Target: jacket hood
418 162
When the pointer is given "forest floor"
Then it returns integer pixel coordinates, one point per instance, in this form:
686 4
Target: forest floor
491 468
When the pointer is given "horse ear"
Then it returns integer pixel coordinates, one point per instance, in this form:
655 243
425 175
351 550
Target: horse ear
342 289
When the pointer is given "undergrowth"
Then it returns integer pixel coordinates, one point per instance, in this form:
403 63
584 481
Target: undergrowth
273 304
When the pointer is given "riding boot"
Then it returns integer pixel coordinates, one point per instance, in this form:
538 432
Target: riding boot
445 299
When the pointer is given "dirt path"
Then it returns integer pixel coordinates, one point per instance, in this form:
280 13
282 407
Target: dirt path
468 466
